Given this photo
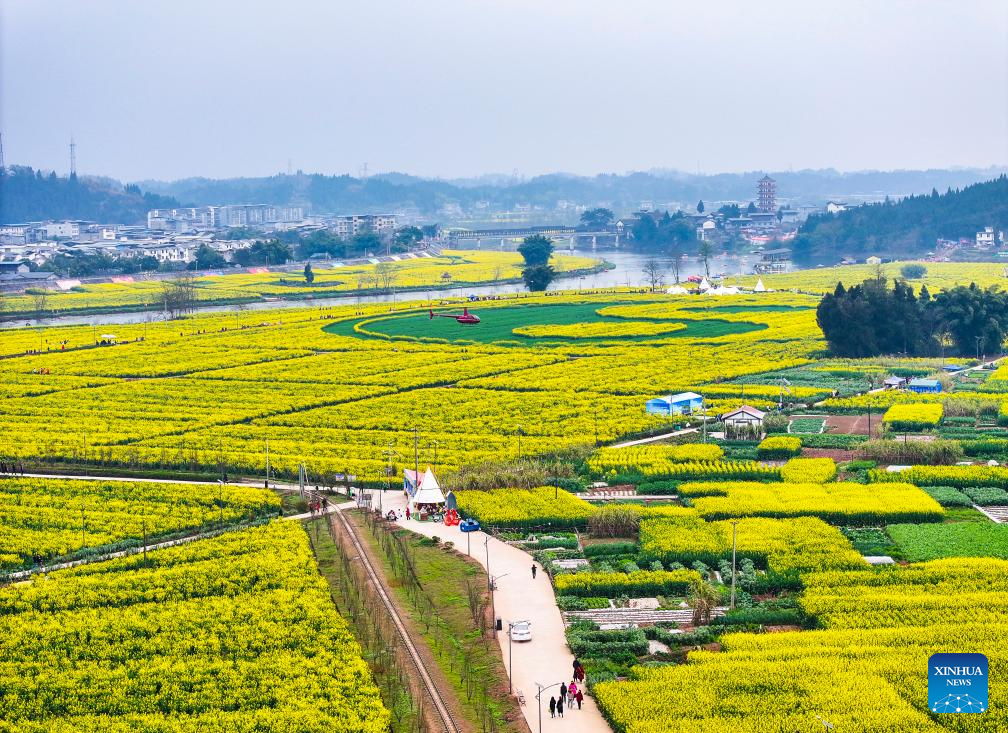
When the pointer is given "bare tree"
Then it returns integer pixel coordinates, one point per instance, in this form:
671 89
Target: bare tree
387 274
179 296
706 251
654 273
40 297
675 258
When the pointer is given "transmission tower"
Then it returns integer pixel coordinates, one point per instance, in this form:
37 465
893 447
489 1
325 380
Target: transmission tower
73 157
2 167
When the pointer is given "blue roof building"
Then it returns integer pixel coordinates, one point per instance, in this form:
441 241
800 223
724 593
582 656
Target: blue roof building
924 385
684 403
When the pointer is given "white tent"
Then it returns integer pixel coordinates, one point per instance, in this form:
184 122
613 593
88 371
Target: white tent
704 285
760 288
721 290
429 491
676 290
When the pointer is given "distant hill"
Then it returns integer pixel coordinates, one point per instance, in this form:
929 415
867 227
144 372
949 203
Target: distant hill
906 228
30 195
621 193
26 194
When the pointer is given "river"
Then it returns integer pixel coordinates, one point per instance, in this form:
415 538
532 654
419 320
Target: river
628 272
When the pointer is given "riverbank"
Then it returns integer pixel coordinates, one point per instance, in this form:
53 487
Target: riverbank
14 318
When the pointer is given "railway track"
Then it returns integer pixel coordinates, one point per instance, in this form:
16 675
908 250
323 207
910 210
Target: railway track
439 704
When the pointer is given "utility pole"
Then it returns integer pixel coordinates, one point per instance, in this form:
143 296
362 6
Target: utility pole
267 464
3 168
416 454
82 543
486 544
734 534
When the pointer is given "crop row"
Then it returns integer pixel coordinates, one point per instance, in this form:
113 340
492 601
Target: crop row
234 633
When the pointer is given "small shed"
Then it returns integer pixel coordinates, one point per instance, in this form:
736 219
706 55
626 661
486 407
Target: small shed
952 368
924 385
685 403
745 420
895 383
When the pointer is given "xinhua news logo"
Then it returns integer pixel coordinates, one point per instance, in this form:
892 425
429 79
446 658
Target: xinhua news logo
957 683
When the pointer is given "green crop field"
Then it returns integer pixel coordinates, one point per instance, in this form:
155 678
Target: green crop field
497 324
921 542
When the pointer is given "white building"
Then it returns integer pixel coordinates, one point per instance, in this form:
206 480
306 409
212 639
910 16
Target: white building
61 229
834 207
706 229
215 217
350 226
175 252
985 239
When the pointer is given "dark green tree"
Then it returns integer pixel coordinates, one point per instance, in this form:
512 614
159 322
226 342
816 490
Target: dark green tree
597 219
408 236
207 258
309 276
700 207
537 273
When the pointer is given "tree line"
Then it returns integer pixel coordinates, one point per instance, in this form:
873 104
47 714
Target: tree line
27 194
910 226
871 318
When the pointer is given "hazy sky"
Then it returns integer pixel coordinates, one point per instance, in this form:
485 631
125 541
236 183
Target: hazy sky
154 89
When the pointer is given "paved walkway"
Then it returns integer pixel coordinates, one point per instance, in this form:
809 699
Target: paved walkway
279 485
546 659
655 438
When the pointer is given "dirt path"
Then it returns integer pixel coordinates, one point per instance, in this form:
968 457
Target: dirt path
854 424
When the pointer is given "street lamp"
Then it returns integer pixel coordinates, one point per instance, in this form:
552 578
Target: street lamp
543 688
511 625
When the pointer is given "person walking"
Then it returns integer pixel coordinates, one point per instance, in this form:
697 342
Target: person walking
533 571
407 513
560 707
563 693
579 697
572 691
552 707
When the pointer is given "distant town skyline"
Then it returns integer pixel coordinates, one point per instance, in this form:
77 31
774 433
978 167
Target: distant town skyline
453 89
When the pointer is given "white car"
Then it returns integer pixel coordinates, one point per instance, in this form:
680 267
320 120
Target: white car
521 631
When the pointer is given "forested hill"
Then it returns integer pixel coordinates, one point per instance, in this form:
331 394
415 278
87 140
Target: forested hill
30 195
909 227
621 193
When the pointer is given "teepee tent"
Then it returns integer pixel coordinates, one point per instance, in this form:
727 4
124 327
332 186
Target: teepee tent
704 285
429 491
676 290
760 288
